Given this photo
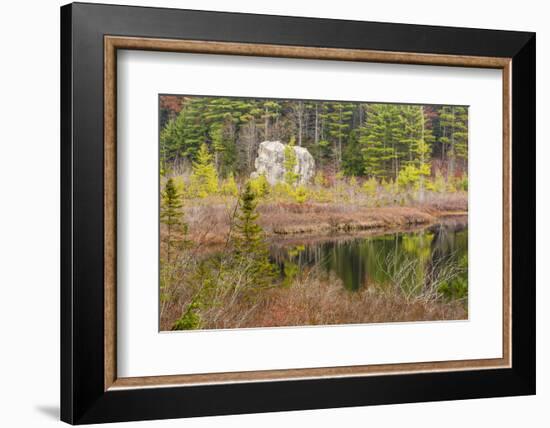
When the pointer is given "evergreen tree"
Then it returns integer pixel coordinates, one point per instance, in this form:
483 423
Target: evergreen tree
419 140
204 179
223 118
260 186
412 122
373 140
218 147
454 140
290 162
352 159
172 216
251 250
461 136
337 121
380 138
229 186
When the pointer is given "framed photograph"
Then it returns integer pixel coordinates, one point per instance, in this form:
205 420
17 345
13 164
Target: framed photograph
266 213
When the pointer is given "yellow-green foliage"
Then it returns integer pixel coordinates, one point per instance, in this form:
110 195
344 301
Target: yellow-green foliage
301 194
353 181
409 177
462 183
190 319
451 187
340 191
229 186
320 179
370 187
438 184
290 163
181 186
260 186
389 186
204 179
282 190
291 268
321 195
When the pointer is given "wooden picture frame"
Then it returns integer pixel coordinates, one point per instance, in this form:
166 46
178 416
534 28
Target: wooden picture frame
91 390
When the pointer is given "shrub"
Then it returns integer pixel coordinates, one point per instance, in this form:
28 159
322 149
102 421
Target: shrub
190 319
260 186
389 186
204 179
456 287
251 249
181 186
300 194
437 184
320 179
462 183
370 187
451 187
282 190
321 195
229 186
409 177
290 163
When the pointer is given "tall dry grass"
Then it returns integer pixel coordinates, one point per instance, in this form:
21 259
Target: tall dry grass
317 299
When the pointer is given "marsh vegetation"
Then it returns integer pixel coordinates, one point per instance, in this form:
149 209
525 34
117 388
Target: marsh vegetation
378 233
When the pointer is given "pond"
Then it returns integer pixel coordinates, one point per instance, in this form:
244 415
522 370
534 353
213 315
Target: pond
411 258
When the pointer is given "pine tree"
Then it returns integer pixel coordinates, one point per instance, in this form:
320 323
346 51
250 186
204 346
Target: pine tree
454 122
260 186
204 179
461 136
290 162
171 215
251 250
338 125
223 118
352 159
218 147
380 138
182 137
418 141
412 123
229 187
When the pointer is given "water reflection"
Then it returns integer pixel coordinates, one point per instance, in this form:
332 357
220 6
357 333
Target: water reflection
362 261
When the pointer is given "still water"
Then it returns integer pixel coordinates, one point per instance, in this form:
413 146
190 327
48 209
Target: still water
360 261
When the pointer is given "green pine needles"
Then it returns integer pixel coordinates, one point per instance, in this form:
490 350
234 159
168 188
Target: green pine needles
204 179
290 162
172 216
248 239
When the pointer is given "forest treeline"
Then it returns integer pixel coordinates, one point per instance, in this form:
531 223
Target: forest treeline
370 140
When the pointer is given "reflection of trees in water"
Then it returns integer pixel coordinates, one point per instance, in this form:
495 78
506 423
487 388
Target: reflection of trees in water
417 258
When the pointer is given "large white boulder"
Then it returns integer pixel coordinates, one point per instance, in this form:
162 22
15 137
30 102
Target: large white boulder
270 162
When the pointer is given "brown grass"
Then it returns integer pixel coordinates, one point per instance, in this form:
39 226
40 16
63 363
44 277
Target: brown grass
314 300
209 218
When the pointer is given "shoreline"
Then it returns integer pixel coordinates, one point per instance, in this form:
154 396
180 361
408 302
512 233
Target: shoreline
388 219
282 240
317 221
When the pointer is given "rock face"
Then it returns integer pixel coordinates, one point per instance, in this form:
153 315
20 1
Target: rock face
270 161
